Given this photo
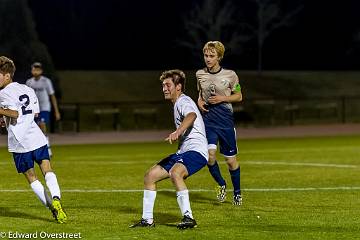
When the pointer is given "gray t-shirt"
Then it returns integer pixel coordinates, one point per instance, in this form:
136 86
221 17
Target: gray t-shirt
222 83
43 88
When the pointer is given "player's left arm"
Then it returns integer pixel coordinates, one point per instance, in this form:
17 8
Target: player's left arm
186 123
51 92
236 95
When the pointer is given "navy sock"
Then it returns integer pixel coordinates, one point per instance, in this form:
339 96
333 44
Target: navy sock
215 173
235 178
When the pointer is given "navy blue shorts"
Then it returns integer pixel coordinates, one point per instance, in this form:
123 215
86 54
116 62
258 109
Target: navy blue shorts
44 116
225 137
192 160
25 161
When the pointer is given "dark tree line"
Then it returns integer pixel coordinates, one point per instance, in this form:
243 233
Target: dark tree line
19 39
227 22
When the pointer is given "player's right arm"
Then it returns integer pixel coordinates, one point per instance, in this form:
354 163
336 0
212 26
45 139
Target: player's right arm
200 102
8 108
2 121
185 124
9 113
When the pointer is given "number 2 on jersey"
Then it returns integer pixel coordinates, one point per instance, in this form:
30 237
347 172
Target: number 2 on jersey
26 104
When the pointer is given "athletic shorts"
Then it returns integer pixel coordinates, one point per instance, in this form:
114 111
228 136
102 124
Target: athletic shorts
225 137
25 161
44 116
192 160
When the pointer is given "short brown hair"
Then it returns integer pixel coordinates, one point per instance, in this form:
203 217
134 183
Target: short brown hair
177 76
7 66
36 65
217 46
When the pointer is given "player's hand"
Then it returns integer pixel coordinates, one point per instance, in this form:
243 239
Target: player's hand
216 99
2 121
172 137
202 104
57 116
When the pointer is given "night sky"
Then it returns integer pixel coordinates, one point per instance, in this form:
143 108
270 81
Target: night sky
126 35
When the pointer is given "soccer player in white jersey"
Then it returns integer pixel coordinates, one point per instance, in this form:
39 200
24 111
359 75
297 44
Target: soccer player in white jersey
218 88
45 92
191 156
27 143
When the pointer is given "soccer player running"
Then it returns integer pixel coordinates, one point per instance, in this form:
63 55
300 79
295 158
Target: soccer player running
45 92
191 156
18 107
218 88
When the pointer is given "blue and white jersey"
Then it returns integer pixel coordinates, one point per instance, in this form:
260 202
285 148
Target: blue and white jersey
219 116
43 88
24 135
194 138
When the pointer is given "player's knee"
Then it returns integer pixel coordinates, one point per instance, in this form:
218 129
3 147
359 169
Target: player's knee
212 156
175 175
30 176
232 163
42 126
149 177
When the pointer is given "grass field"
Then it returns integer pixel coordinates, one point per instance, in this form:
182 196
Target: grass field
300 188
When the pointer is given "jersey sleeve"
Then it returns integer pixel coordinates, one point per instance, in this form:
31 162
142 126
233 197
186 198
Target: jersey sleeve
7 102
185 107
234 83
49 87
197 80
34 101
28 82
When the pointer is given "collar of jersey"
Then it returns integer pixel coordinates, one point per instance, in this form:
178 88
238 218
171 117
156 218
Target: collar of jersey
214 72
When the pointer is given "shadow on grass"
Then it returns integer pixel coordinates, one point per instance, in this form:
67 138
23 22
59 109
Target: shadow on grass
161 218
194 197
7 212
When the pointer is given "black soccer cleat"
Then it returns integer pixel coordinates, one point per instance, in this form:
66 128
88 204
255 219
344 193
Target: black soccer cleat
237 200
187 222
142 223
54 213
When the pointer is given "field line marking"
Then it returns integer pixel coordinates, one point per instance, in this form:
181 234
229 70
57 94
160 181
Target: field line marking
305 164
195 190
300 164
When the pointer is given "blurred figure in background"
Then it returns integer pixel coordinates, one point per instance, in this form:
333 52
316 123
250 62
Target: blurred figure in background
45 93
218 88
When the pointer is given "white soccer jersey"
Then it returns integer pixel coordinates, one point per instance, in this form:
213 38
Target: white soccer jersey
24 135
194 138
43 88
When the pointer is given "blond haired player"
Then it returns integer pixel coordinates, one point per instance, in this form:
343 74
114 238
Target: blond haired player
218 88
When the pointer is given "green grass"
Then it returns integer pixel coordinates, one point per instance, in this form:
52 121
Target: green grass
295 213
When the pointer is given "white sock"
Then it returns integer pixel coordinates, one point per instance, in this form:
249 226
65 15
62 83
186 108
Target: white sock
184 203
148 205
52 184
39 190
